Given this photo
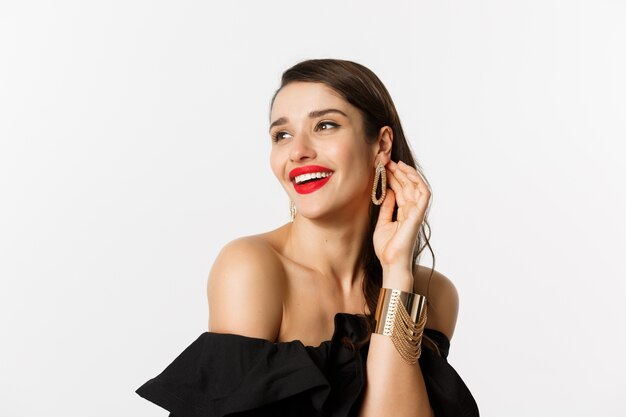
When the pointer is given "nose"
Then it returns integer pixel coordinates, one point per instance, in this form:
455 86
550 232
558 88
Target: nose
301 148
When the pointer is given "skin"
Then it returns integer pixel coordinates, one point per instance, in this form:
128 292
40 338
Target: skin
297 277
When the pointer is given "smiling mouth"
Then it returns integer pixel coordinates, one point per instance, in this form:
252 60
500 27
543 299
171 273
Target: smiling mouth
308 183
311 177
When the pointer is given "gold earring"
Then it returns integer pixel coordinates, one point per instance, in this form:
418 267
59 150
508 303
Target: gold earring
292 209
380 171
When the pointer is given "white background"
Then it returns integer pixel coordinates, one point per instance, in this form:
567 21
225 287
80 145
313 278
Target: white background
134 145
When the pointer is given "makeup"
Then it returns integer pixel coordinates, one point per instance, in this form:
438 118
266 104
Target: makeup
309 178
309 187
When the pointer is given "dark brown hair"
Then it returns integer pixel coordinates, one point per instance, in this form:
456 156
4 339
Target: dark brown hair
360 87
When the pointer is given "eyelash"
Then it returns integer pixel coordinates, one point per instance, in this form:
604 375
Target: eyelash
333 124
275 136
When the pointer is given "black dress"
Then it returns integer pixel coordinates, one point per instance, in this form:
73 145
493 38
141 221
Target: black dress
232 375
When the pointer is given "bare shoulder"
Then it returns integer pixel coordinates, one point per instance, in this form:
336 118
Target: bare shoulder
245 289
443 299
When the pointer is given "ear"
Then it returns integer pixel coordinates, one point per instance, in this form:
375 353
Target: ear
382 147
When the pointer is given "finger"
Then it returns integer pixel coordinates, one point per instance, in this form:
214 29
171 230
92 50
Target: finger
417 178
401 175
421 184
397 187
413 174
386 208
420 202
401 200
418 205
409 187
406 167
393 182
422 188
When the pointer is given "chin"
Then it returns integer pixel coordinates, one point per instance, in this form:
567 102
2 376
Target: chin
313 212
325 212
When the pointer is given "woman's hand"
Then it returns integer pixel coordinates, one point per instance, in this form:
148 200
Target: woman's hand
394 242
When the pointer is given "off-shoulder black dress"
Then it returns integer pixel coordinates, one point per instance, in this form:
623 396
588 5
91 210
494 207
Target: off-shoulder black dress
232 375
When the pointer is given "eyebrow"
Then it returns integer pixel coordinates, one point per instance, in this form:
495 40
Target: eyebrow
312 115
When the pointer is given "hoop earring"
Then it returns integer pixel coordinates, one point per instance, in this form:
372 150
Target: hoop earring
292 209
380 171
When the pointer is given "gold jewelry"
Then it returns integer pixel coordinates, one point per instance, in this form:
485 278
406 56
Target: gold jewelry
292 209
380 171
402 316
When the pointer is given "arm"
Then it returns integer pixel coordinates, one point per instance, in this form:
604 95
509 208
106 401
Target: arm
443 299
395 387
245 290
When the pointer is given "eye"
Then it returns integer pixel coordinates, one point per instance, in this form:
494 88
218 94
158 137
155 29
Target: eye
279 136
326 125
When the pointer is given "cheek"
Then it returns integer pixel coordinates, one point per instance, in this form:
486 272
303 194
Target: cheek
354 158
276 164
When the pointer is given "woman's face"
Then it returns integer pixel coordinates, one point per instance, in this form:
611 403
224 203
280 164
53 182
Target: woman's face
319 152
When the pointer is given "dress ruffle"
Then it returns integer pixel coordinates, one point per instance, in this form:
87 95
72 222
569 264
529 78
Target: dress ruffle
226 374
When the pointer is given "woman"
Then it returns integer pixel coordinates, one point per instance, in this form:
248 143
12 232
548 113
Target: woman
329 314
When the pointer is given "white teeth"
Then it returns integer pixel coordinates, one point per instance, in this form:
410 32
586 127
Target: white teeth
306 177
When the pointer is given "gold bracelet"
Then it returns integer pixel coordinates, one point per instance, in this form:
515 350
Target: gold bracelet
402 316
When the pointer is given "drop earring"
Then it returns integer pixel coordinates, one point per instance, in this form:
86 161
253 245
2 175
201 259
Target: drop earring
380 172
292 209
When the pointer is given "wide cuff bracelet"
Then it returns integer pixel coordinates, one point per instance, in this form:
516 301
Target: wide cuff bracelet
402 316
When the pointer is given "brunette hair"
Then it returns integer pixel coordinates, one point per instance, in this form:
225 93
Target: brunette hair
360 87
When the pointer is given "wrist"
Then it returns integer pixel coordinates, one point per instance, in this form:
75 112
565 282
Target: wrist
398 277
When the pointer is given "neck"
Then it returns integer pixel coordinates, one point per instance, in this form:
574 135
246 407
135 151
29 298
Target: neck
331 246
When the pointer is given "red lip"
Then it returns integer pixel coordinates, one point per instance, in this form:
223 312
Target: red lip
309 187
307 170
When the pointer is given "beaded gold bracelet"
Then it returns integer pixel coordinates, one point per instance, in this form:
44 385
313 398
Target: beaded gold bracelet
402 316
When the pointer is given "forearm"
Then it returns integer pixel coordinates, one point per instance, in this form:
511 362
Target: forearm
393 386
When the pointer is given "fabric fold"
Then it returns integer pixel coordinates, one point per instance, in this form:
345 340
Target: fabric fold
222 375
447 393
